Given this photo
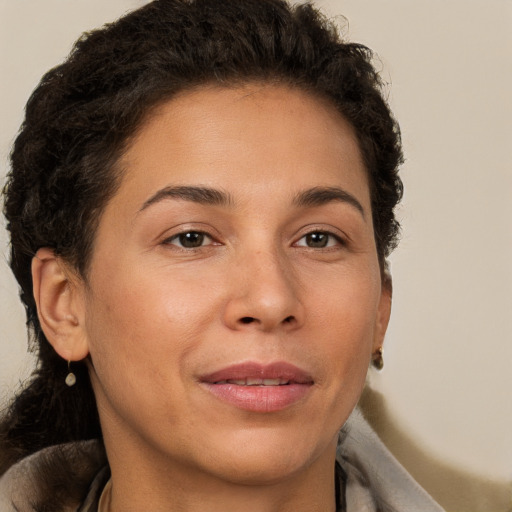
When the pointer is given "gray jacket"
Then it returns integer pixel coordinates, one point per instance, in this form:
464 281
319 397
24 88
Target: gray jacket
373 480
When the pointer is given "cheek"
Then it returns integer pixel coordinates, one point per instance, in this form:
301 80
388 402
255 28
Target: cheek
344 318
136 320
347 304
139 338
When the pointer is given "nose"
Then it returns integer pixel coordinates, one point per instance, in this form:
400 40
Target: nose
264 294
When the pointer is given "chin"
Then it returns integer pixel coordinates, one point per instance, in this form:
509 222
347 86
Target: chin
261 470
257 458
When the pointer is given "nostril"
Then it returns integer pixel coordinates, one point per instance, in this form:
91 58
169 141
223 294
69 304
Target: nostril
246 320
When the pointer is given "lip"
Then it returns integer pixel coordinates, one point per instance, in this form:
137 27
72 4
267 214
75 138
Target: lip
259 398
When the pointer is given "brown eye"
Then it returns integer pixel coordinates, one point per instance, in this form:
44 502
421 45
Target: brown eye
190 239
319 240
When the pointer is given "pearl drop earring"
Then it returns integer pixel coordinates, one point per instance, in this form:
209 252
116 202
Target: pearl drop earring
70 377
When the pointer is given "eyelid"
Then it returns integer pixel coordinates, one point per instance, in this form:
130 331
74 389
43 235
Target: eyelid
341 239
186 227
168 240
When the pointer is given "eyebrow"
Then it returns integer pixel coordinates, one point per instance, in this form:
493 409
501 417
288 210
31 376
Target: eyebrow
316 196
319 196
201 195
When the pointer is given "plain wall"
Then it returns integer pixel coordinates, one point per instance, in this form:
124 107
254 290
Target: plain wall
442 402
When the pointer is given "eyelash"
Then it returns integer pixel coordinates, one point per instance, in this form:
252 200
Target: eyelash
177 237
331 237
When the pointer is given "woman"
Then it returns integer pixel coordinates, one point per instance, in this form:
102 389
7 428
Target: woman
200 207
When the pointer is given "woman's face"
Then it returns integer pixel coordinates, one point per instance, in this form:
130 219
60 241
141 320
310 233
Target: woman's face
234 296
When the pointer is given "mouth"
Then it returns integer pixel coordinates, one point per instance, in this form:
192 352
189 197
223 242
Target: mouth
255 381
259 388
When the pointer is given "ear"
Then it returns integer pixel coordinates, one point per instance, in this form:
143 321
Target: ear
60 306
383 312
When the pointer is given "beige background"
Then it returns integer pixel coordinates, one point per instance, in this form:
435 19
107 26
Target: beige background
443 402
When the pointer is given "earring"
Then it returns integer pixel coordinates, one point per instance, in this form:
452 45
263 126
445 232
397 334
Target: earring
377 359
70 377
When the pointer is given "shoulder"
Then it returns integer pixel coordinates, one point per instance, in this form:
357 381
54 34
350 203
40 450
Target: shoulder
375 479
57 478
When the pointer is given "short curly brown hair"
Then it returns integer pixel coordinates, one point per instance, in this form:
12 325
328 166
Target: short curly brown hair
83 113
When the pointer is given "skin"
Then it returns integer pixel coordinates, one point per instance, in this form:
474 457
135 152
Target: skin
155 316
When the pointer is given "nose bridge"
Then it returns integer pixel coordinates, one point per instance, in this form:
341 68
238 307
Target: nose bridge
266 292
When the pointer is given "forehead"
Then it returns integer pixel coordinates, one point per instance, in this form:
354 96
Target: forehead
245 138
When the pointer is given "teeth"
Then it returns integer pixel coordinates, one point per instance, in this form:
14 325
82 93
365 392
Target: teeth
237 382
254 381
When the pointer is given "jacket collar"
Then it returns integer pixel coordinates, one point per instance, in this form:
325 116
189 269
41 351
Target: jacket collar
374 481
